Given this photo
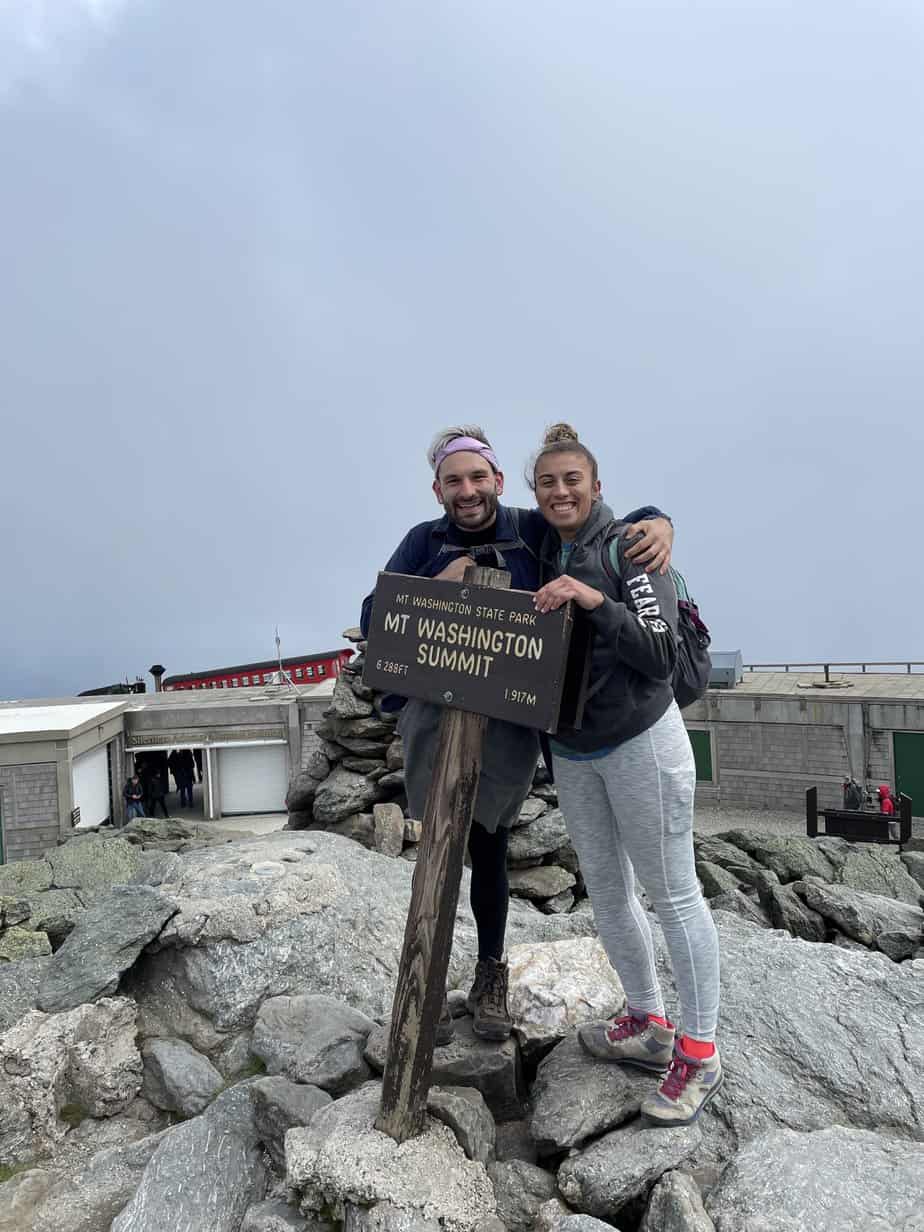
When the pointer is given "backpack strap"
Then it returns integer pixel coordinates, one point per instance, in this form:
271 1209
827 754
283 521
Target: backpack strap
499 547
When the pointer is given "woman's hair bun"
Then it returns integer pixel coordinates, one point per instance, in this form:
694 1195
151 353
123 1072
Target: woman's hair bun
559 432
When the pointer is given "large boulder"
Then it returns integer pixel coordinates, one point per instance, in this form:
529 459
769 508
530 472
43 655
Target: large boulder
895 928
313 1039
834 1179
177 1078
875 870
93 862
464 1110
557 986
345 704
106 940
18 943
676 1205
25 877
791 856
341 1160
341 794
537 838
280 1105
205 1173
19 985
520 1189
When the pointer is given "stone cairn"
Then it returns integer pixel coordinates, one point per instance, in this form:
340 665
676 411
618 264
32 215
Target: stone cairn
352 783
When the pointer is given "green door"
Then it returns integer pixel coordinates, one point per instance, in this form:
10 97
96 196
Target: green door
909 768
702 755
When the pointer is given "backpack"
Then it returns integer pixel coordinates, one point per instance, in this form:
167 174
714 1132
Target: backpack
495 550
691 671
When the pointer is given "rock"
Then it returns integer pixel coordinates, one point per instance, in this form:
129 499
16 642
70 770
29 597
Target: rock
205 1173
893 927
274 1216
877 870
388 829
386 1217
736 903
156 868
715 879
342 794
55 912
144 830
556 1217
364 765
539 837
340 1158
413 830
92 862
676 1205
106 940
576 1097
787 910
914 863
560 904
463 1109
394 755
513 1140
392 781
304 786
373 728
623 1166
177 1078
557 986
364 748
345 704
791 856
782 1181
543 882
83 1062
13 910
25 877
545 791
532 808
19 985
17 943
359 828
519 1190
313 1039
233 1059
280 1105
490 1067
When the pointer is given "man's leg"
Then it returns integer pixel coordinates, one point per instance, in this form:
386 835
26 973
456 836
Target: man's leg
489 899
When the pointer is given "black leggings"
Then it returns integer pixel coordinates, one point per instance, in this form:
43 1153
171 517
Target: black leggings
154 803
490 888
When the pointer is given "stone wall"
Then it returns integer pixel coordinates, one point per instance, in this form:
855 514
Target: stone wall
29 809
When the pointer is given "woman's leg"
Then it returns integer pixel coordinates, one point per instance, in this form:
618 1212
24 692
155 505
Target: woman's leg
599 842
490 890
650 782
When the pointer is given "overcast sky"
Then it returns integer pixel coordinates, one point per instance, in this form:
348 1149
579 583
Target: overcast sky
253 256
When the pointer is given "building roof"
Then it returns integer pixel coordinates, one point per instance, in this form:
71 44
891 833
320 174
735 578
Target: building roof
267 665
52 719
868 686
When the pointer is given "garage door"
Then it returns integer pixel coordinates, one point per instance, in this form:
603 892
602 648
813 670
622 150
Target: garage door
253 779
90 778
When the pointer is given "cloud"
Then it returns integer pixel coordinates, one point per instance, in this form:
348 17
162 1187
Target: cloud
45 38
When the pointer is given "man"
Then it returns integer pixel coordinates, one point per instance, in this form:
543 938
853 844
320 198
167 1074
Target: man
134 795
477 529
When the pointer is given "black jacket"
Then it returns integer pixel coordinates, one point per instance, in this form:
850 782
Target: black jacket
634 638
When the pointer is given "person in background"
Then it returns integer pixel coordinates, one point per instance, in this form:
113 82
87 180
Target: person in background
134 798
157 792
853 795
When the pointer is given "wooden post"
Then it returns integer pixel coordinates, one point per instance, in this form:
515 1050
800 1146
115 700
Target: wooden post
432 913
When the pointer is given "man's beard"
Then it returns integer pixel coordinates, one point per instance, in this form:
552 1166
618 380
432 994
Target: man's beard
487 511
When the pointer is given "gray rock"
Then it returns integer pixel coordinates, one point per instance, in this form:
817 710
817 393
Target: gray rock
537 838
340 1159
877 870
519 1190
543 882
313 1039
19 985
392 781
914 863
25 877
533 807
342 794
364 748
787 910
156 868
205 1173
623 1166
716 850
791 856
359 828
715 879
836 1179
491 1068
17 943
736 903
576 1097
387 829
545 791
387 1217
280 1105
373 728
463 1109
364 765
55 912
884 924
413 830
570 1223
274 1215
92 862
557 986
177 1078
107 939
161 830
560 904
13 910
513 1140
303 787
394 757
676 1205
345 704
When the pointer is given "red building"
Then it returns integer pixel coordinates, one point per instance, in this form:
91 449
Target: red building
303 669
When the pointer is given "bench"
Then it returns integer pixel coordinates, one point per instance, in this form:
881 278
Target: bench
858 825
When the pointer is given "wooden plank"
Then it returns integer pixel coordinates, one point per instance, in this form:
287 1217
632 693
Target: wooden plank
431 916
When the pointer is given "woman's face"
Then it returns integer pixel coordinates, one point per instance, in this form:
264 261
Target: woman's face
565 491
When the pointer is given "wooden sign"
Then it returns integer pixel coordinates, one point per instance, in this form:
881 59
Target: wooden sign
470 647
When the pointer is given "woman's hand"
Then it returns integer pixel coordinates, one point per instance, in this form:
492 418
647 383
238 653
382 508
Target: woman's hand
554 594
652 551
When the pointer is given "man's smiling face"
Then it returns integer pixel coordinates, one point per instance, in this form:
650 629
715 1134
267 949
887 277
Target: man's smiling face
467 486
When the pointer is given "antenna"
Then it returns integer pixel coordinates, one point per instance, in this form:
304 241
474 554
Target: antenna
284 677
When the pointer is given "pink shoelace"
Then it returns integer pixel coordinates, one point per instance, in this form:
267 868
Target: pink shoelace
678 1075
625 1028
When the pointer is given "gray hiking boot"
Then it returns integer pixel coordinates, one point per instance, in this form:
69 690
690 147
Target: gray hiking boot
488 1001
445 1031
630 1041
684 1091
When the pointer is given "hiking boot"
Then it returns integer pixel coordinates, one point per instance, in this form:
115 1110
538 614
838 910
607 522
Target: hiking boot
488 1001
685 1090
445 1031
628 1040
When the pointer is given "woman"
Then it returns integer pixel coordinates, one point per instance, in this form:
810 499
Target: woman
625 784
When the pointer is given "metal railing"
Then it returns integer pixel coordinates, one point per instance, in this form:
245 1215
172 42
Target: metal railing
852 667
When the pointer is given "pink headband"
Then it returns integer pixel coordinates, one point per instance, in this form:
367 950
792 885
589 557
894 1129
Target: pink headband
467 444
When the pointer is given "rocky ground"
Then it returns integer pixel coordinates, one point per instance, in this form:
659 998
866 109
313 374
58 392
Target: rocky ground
193 1028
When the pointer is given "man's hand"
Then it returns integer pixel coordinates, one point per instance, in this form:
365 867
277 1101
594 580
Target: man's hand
653 549
454 570
554 594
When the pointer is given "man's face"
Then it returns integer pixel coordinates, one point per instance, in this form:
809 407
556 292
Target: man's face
467 487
